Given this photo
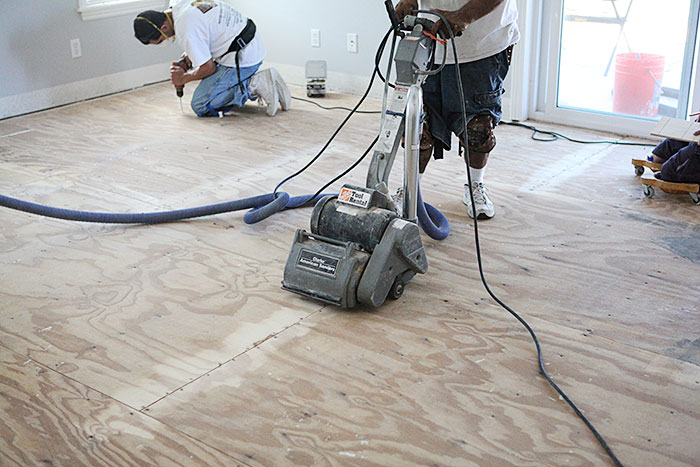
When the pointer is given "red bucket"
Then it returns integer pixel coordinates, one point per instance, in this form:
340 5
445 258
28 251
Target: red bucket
638 84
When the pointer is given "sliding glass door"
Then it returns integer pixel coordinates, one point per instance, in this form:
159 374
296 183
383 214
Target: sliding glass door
616 65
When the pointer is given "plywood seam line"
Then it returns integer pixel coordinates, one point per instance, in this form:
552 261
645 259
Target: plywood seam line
82 101
257 213
117 401
17 133
255 345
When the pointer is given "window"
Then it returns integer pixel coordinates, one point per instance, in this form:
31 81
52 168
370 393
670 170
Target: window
625 57
98 9
613 65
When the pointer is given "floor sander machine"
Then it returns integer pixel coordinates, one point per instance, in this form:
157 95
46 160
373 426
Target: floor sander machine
360 249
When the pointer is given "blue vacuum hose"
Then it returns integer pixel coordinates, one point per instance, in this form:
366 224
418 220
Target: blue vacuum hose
261 207
431 220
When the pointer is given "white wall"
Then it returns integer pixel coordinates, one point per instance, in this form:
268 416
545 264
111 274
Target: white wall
38 72
285 27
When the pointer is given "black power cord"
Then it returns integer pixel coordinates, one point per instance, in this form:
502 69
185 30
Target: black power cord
554 136
536 131
336 107
353 111
375 72
578 412
347 171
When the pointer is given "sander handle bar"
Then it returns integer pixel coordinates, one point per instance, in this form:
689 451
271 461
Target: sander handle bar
401 118
408 23
393 17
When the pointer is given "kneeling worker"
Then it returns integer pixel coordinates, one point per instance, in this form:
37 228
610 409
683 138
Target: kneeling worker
221 48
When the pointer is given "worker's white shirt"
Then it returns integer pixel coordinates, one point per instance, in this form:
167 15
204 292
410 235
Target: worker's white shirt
487 36
205 29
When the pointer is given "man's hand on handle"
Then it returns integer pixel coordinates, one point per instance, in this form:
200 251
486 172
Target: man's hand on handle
405 7
456 22
459 20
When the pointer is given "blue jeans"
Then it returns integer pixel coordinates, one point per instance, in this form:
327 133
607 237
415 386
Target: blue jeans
220 91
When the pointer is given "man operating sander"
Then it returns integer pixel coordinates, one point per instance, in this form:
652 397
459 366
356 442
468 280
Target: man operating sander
486 31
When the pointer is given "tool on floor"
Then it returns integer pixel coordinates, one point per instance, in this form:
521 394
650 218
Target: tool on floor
316 73
360 250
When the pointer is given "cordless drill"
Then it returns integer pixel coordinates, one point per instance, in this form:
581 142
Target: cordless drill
180 90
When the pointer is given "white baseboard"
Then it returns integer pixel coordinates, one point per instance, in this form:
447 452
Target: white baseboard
344 83
33 101
42 99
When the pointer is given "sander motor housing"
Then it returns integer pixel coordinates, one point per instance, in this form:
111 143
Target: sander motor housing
359 251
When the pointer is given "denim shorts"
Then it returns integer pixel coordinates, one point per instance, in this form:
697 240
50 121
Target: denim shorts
482 82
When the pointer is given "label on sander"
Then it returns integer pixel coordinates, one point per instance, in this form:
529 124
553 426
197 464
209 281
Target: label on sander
322 264
391 120
353 197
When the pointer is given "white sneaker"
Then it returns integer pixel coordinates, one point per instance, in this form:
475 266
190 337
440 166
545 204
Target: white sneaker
263 86
282 90
484 206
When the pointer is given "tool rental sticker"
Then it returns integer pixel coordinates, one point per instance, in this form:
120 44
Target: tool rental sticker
352 197
322 264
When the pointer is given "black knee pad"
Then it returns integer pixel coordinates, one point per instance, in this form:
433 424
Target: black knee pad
480 136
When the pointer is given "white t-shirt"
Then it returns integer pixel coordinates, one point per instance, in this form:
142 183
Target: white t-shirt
205 29
486 36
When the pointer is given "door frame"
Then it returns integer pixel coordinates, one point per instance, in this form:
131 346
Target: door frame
533 79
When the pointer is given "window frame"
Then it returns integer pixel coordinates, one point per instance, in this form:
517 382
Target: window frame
99 9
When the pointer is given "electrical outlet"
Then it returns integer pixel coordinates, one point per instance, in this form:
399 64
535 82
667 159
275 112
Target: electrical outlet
315 38
352 42
75 50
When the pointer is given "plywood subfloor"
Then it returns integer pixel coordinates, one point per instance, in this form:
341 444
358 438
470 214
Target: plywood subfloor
175 345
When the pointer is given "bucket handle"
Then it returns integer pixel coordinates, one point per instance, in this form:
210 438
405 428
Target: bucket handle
657 81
